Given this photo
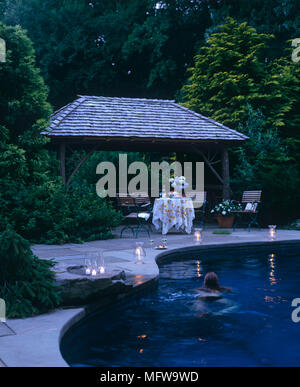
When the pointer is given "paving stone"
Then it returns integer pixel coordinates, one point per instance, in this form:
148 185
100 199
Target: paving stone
5 330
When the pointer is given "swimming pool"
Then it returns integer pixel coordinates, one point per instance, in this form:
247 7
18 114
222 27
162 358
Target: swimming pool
169 326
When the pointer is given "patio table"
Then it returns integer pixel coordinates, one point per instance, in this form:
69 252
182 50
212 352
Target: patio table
178 212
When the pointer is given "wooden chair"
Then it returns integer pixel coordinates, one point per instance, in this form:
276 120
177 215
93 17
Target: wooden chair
136 216
248 215
199 208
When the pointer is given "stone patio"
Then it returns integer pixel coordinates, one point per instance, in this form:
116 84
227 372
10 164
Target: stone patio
35 341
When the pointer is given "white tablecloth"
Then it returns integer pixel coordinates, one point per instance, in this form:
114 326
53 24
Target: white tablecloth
173 212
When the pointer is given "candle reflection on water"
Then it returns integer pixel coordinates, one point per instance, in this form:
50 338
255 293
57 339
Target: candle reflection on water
139 279
198 269
272 263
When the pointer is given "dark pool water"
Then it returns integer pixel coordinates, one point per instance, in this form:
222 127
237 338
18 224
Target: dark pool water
170 326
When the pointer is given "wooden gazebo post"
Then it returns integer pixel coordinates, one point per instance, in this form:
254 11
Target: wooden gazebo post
225 174
62 161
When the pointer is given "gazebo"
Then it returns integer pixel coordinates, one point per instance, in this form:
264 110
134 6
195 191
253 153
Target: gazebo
134 124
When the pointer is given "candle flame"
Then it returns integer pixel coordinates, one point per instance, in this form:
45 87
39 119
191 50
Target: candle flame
102 269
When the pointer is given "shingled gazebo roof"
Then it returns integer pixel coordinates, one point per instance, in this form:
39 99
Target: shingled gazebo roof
93 119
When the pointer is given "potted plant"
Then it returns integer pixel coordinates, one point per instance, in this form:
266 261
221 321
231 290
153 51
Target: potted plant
225 213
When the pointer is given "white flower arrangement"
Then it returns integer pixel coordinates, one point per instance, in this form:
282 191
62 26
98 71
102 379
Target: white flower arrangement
179 183
225 208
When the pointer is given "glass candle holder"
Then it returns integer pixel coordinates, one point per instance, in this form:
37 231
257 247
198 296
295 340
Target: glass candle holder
87 265
198 236
151 243
164 241
139 252
93 263
95 266
101 265
272 232
88 271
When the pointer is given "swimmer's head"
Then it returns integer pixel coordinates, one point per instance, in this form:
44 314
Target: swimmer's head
211 281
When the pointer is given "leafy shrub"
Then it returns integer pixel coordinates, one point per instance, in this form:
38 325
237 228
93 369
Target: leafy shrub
265 163
26 282
49 213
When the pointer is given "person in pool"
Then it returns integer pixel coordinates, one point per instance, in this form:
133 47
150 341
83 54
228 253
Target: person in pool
211 289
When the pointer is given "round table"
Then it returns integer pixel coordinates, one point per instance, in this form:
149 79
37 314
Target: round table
178 212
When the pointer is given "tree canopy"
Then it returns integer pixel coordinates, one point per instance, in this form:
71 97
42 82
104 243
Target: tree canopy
136 48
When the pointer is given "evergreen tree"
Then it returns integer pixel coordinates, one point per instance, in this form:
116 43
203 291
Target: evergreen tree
24 110
26 282
229 73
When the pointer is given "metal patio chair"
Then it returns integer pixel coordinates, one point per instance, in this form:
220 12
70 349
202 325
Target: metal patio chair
136 214
251 201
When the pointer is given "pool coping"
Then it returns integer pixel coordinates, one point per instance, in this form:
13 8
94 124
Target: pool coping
51 328
224 247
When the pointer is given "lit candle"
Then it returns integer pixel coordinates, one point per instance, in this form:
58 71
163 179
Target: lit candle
272 232
94 272
88 271
198 236
139 252
100 263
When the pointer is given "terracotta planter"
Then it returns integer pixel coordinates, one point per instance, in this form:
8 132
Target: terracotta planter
225 221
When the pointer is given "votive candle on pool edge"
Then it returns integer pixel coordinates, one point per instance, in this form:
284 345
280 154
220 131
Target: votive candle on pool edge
94 272
101 265
272 232
102 269
198 235
88 271
139 252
